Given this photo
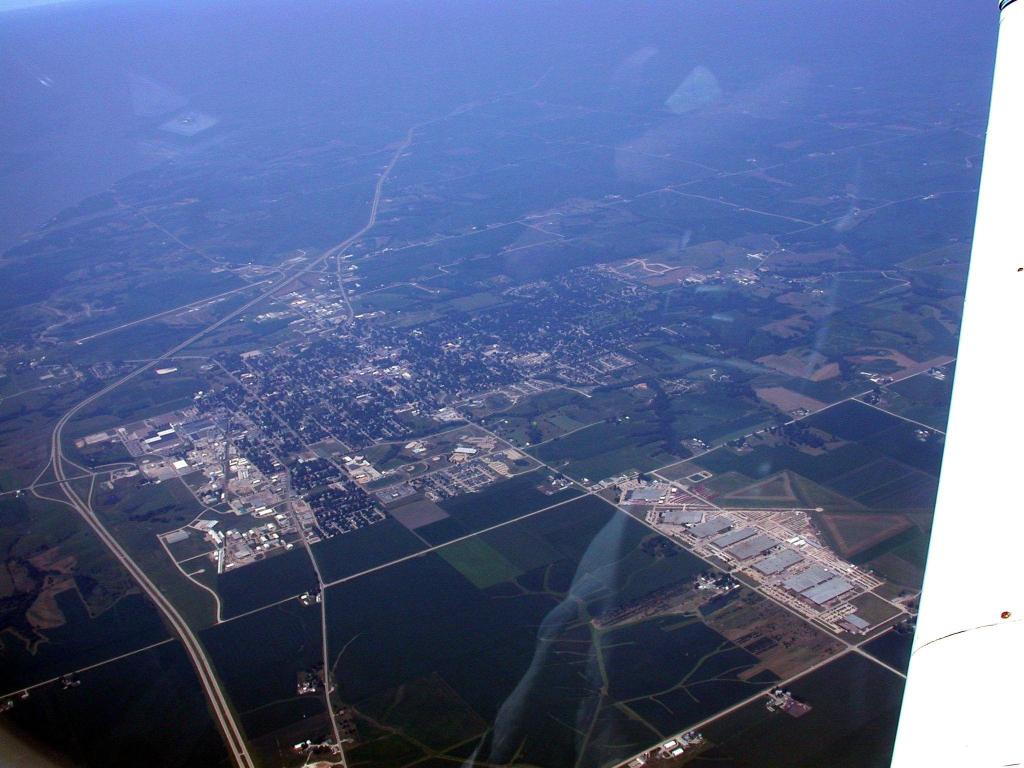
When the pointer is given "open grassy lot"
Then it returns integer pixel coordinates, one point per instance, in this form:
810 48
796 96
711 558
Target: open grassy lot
498 650
497 503
121 705
833 733
280 643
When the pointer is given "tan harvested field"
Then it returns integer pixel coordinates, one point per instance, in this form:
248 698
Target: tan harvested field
782 643
777 487
44 613
811 257
857 532
677 275
787 328
54 560
813 366
907 365
418 513
787 400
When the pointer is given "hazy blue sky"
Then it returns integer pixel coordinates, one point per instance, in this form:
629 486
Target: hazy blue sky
10 5
84 81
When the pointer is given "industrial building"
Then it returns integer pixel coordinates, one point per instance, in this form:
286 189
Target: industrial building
827 590
710 527
681 516
732 537
752 547
778 562
650 495
807 579
855 623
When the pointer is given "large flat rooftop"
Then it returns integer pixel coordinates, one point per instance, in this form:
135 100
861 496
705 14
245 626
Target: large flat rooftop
681 516
752 547
710 527
778 562
807 579
827 590
730 538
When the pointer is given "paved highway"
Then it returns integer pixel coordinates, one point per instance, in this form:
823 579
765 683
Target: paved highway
219 705
222 711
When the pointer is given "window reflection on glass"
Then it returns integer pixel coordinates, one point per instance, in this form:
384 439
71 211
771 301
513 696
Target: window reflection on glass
420 383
